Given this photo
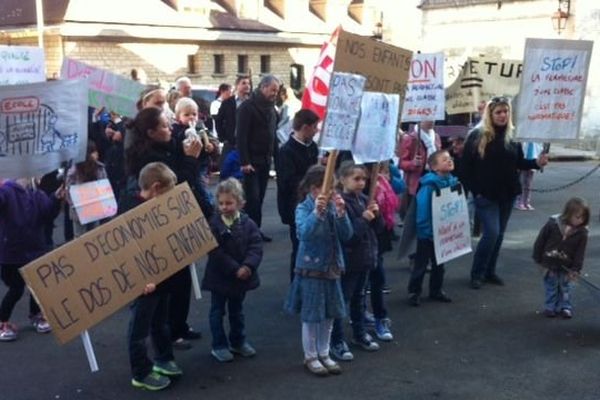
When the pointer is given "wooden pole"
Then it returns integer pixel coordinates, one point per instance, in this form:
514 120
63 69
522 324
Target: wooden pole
373 181
329 170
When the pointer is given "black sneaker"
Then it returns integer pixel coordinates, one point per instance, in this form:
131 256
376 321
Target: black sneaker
192 335
442 297
494 280
414 300
476 284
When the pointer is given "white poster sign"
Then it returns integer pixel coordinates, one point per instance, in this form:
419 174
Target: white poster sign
376 134
451 227
553 89
343 111
21 64
41 125
106 89
425 100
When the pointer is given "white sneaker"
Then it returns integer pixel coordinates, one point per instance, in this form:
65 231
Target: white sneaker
331 366
8 332
40 324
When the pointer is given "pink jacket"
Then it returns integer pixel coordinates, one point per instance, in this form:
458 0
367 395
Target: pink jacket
408 148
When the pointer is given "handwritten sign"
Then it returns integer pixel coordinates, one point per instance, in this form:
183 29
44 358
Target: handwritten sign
385 66
343 111
376 133
93 201
106 89
41 125
424 99
21 64
86 280
553 89
480 79
451 228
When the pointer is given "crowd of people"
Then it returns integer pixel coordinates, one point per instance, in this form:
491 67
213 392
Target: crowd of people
338 235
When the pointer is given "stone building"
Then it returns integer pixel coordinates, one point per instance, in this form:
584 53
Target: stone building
209 41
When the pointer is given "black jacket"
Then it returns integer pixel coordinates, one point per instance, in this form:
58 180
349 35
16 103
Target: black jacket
255 130
225 121
293 161
360 251
240 244
553 250
496 175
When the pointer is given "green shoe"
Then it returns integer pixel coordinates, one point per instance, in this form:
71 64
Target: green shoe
152 381
168 368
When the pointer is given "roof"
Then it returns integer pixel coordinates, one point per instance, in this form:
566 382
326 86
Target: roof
22 13
226 21
429 4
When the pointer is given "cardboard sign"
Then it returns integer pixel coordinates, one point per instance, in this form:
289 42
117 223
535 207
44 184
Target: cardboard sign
93 201
106 89
343 111
376 133
451 227
41 125
481 79
425 100
385 66
88 279
21 64
553 89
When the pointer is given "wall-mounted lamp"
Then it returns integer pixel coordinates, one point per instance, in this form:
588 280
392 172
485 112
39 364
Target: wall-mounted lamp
560 16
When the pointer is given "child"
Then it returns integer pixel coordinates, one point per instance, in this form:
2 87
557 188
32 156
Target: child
149 312
361 257
88 171
231 270
315 292
559 249
24 213
441 165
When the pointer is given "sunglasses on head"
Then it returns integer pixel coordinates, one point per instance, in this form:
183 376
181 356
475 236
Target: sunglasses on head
499 99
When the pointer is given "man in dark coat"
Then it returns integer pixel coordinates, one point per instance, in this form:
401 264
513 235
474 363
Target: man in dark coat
256 124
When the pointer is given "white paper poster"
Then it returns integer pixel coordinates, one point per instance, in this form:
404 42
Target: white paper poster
376 133
451 227
343 111
425 99
106 89
21 64
41 125
553 89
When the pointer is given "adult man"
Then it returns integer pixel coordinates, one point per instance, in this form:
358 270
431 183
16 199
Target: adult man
256 124
223 94
184 86
295 157
225 119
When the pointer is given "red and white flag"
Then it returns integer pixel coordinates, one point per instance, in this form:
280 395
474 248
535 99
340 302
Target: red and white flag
317 87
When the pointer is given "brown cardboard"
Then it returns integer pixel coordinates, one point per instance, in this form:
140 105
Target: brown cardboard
385 66
88 279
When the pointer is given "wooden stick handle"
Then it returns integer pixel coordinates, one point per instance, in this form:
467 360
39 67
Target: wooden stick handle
373 181
329 170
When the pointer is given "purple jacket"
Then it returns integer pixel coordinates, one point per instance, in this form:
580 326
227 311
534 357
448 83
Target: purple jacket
23 214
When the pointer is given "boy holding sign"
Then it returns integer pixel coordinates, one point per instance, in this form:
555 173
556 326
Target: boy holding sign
441 165
149 312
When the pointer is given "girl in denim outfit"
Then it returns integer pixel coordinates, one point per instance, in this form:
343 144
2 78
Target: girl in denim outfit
315 292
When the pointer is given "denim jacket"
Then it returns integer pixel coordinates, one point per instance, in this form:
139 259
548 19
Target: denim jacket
320 237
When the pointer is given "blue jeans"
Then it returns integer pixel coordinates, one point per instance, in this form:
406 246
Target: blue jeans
493 216
558 291
149 316
237 336
353 288
377 280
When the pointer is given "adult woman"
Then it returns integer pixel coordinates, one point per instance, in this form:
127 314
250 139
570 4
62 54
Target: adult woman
152 141
491 164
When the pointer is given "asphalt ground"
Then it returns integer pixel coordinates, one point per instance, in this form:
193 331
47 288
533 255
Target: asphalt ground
488 344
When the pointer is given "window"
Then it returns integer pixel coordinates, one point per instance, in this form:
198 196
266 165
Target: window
242 64
265 64
191 64
219 64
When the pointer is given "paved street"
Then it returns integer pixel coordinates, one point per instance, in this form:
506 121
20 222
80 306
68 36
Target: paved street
488 344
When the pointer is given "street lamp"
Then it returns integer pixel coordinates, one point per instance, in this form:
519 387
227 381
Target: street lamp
561 15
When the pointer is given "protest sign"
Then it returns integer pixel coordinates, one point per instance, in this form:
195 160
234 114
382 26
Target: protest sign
21 64
86 280
376 133
384 66
343 111
451 227
424 100
553 89
481 79
93 201
106 89
41 125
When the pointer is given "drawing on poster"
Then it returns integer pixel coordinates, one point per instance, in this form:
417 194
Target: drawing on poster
376 132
